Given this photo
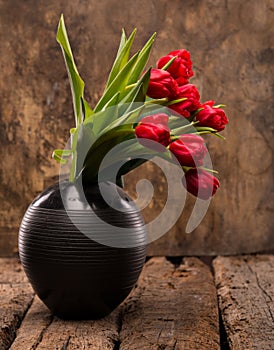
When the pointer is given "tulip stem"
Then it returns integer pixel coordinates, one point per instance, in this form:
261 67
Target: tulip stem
204 132
156 101
184 128
130 86
176 101
209 170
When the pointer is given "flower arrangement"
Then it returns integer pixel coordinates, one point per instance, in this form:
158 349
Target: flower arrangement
157 109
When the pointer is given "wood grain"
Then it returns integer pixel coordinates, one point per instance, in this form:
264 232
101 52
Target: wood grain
231 43
172 308
42 331
15 298
246 298
71 335
32 329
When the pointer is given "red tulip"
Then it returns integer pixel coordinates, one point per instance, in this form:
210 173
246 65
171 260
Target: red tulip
157 119
181 67
161 85
189 149
192 102
212 117
155 128
200 183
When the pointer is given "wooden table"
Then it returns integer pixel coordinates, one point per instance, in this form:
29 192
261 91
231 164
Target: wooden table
180 303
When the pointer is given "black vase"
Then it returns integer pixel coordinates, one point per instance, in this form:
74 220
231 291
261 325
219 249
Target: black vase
77 260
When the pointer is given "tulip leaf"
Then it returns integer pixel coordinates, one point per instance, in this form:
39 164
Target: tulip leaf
126 118
59 154
76 82
101 147
138 93
85 140
169 63
142 61
219 106
105 117
123 41
175 122
128 110
118 83
122 56
136 154
88 112
193 114
185 129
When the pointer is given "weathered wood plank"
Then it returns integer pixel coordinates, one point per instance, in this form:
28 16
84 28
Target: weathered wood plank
85 335
41 331
16 296
11 271
172 308
246 296
37 319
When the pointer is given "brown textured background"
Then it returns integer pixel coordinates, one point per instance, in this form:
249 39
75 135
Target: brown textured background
232 47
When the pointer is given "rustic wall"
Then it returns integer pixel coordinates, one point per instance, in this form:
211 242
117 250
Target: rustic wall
232 48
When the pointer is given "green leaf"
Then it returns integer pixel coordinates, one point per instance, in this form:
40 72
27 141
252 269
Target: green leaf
76 82
105 118
118 84
142 61
88 112
219 106
98 121
185 129
122 41
73 167
169 63
85 140
127 118
101 147
193 114
134 152
175 122
128 111
122 56
138 93
59 154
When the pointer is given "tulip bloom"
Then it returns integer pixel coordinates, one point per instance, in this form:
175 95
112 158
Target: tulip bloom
161 85
200 183
189 149
181 67
212 117
155 128
192 102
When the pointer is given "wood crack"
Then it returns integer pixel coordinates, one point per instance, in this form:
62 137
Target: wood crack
65 346
172 302
41 335
245 291
266 296
174 345
16 300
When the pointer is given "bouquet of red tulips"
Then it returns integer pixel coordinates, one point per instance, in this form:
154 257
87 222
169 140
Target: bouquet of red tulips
154 111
